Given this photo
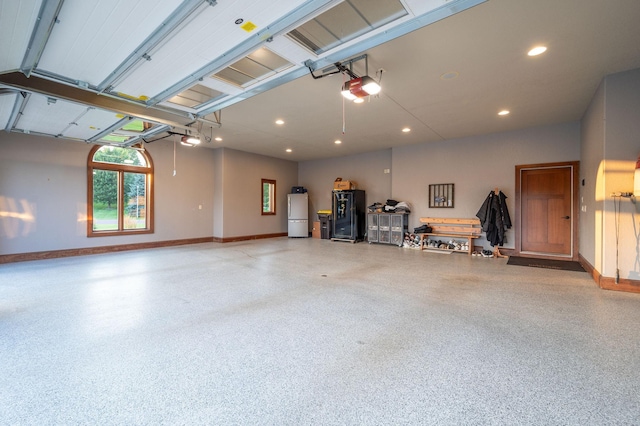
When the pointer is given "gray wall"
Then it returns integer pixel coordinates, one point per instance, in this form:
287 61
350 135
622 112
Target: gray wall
218 191
367 170
622 148
48 178
213 193
43 182
476 165
239 195
591 155
610 148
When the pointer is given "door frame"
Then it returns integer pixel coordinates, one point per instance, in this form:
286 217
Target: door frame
575 209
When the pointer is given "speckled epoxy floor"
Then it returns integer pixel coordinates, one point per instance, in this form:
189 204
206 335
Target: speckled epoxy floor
312 332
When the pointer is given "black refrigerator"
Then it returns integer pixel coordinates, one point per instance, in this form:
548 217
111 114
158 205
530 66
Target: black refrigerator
349 215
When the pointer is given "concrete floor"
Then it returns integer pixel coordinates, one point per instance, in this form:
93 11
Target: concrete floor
312 332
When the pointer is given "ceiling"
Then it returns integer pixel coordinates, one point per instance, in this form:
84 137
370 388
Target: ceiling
126 72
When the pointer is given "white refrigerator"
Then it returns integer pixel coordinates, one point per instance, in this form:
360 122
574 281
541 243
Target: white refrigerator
298 215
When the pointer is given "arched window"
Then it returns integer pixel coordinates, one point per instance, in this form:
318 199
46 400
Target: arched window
119 191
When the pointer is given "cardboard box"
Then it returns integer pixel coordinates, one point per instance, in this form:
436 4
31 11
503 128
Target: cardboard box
315 232
344 184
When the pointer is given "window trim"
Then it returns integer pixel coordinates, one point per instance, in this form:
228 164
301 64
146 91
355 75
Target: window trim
272 199
121 169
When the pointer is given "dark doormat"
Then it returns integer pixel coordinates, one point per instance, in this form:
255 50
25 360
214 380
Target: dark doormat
545 263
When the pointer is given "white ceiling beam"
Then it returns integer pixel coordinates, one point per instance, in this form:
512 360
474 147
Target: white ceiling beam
249 45
118 124
8 103
220 86
141 53
154 131
289 50
18 109
74 122
47 18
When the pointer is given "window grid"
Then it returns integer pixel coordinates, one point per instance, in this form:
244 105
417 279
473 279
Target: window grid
132 210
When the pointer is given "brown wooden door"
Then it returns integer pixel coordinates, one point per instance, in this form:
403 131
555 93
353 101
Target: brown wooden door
546 211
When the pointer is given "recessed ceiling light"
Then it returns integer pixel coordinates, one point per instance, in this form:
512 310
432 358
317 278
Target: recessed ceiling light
406 130
288 150
504 112
449 75
338 142
279 122
358 100
219 139
537 50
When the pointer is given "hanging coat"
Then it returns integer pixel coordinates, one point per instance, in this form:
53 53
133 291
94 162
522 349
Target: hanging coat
494 218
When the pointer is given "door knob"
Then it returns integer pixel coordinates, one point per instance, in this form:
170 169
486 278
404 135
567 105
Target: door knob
566 217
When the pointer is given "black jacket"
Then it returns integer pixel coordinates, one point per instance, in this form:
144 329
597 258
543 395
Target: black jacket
494 217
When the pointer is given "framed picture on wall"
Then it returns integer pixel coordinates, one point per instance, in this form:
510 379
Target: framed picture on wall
441 195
